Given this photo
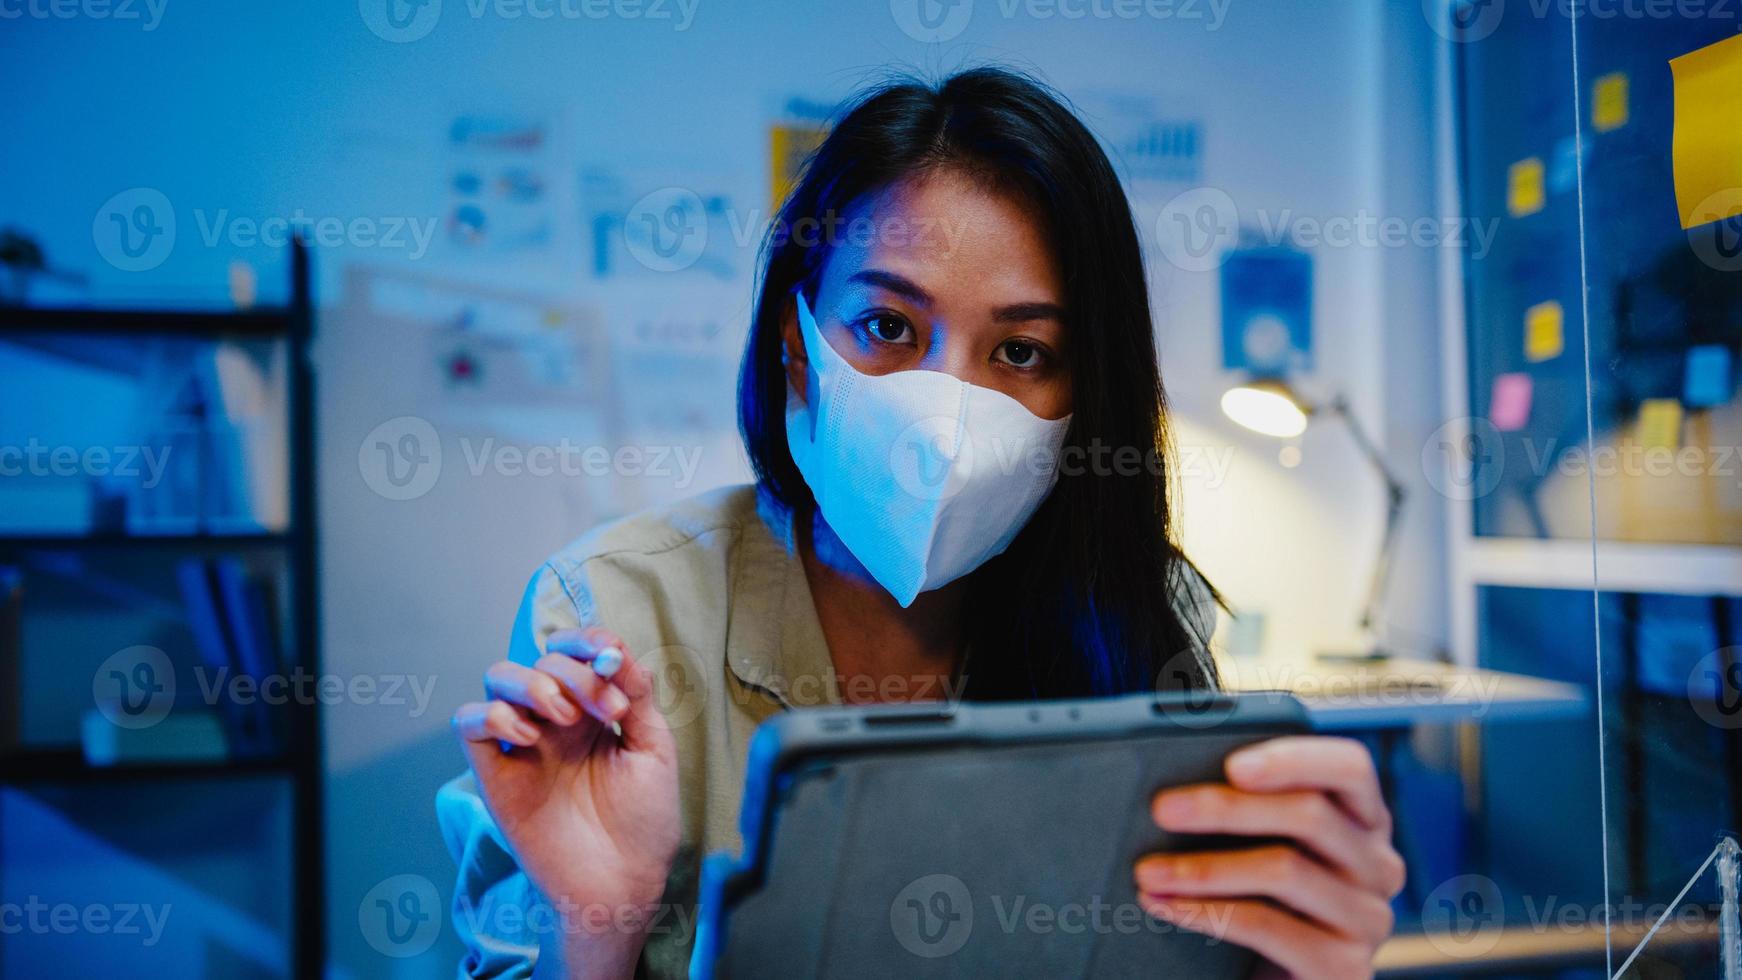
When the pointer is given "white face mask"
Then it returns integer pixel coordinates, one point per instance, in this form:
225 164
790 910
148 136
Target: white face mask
922 476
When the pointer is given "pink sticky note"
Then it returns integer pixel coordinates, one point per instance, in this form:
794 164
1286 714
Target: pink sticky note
1509 407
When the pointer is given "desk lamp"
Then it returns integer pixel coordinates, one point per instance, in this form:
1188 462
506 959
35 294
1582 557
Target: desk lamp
1271 407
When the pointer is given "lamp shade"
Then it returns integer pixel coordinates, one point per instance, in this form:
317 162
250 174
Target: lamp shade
1267 407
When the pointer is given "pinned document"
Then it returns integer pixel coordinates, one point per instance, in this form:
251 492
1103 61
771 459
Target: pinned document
1524 190
1609 102
1544 331
1660 423
1509 405
1707 146
789 145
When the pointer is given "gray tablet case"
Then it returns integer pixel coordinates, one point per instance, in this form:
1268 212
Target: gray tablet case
970 839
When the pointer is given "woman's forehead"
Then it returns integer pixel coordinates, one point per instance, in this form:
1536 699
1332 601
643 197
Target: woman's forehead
945 232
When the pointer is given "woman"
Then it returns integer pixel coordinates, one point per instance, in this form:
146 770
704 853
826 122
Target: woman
951 398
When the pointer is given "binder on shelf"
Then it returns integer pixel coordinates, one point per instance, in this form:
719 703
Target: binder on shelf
208 630
243 599
227 612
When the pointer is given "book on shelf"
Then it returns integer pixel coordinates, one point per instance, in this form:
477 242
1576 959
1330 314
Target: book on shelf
246 599
229 614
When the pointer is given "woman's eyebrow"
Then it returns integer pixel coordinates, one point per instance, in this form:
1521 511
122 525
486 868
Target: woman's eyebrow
899 285
905 287
1024 312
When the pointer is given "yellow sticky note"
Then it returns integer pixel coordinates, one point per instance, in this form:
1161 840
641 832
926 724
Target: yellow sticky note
1524 187
1707 146
1609 102
1660 423
1544 333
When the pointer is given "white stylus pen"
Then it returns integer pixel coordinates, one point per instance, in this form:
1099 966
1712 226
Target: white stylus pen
608 662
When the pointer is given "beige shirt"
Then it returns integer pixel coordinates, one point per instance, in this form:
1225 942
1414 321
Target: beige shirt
711 595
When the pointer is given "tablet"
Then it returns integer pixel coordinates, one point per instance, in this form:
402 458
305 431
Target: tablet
970 839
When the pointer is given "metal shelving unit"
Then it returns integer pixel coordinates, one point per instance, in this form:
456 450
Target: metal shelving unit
66 767
301 760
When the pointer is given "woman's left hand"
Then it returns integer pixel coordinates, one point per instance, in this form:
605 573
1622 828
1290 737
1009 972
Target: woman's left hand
1316 905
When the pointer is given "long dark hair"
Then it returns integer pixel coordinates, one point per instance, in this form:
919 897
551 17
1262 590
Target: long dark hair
1084 602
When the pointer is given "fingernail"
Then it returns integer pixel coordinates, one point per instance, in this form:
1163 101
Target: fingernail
608 662
614 701
564 711
526 731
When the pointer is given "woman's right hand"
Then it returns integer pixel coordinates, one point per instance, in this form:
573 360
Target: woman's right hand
591 816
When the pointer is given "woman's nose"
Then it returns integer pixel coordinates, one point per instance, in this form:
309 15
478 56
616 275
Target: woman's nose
951 353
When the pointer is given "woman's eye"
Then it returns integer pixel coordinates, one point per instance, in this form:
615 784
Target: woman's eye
889 329
1019 353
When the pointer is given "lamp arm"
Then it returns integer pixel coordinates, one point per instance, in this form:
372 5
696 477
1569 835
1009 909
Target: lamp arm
1395 494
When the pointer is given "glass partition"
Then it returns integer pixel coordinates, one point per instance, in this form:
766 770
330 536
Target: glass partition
1527 895
1660 180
